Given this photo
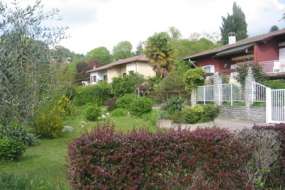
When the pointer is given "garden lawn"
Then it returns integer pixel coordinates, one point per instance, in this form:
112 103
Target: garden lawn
46 164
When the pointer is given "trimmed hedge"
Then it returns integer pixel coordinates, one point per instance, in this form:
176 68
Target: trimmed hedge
208 159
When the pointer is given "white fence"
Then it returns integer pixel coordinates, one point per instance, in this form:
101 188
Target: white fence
259 92
231 93
277 105
205 93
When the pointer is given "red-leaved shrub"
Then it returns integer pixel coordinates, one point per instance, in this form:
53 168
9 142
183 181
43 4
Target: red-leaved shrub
205 159
280 129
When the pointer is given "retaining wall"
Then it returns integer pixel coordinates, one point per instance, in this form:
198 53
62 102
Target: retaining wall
253 114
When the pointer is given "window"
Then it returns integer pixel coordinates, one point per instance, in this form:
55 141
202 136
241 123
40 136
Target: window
93 78
281 53
209 68
105 78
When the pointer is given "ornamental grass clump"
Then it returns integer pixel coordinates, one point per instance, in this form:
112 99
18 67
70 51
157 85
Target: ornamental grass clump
210 159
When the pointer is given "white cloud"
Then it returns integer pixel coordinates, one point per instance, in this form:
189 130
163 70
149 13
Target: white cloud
96 23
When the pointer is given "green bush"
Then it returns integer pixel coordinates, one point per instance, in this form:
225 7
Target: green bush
70 93
135 104
210 112
119 112
174 104
98 94
140 106
126 84
196 114
171 85
275 84
177 117
48 124
201 113
126 101
193 115
194 78
93 113
18 133
48 121
152 117
63 106
11 149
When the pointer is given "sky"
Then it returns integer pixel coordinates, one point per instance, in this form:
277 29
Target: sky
94 23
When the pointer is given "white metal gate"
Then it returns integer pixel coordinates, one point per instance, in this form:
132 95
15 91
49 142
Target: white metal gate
278 105
230 93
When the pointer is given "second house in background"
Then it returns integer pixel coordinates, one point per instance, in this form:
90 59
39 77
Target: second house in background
137 64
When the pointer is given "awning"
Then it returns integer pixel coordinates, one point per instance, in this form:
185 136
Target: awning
234 51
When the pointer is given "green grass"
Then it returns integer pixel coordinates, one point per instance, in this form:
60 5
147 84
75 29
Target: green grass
47 162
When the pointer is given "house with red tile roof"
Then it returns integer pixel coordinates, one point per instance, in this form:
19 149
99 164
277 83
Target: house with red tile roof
267 50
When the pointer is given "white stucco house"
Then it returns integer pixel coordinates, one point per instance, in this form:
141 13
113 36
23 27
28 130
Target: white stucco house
137 64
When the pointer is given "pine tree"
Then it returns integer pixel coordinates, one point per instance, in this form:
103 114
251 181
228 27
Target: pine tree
234 23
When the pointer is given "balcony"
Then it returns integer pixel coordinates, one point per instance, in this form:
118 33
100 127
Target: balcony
275 67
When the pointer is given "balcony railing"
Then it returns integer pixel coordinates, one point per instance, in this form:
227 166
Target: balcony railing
275 66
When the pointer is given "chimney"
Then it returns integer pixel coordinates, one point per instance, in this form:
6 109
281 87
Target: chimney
232 38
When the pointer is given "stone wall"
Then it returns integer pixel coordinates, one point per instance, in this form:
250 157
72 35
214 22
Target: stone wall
253 114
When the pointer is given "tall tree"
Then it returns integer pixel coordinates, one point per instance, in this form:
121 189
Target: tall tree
234 23
160 52
273 28
174 33
61 54
100 54
26 73
122 50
